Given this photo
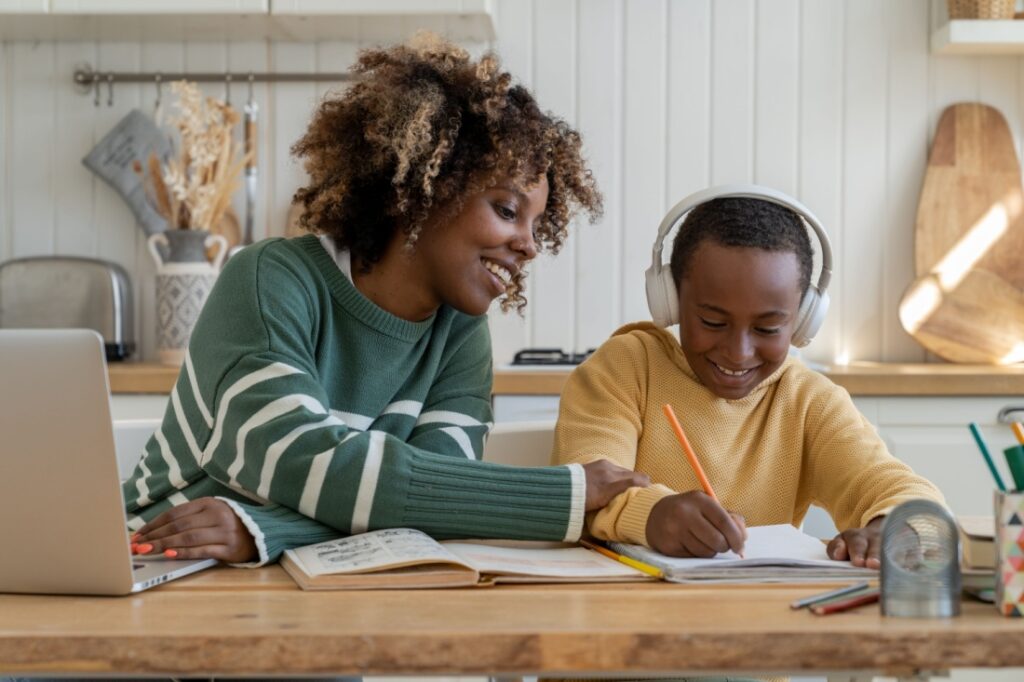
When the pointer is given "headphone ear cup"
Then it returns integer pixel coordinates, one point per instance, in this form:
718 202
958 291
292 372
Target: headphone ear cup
662 298
813 308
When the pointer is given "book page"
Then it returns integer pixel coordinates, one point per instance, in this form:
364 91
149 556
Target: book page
769 552
373 551
564 562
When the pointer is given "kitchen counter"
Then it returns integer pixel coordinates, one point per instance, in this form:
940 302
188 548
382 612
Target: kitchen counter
862 378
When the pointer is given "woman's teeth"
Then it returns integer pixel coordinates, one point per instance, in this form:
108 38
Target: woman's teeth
732 373
501 273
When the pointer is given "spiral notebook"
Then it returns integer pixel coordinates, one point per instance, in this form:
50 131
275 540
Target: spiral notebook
771 554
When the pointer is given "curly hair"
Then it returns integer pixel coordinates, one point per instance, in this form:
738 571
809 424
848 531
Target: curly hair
423 128
743 222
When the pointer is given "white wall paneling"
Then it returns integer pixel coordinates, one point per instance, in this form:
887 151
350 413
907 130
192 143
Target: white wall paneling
833 100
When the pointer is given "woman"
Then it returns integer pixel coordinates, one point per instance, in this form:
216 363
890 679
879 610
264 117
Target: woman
340 382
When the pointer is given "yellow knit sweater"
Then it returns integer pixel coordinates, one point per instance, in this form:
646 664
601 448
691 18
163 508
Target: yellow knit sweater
795 440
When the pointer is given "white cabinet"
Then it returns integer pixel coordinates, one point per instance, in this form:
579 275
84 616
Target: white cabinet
159 6
24 6
278 20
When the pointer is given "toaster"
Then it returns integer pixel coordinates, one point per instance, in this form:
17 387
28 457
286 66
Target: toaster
63 291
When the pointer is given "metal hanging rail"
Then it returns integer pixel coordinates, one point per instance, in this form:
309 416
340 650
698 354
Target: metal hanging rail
87 79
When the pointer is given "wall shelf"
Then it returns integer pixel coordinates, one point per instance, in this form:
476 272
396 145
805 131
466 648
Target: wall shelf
215 20
979 37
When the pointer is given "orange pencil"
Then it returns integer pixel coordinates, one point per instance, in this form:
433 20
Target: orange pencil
690 454
1018 431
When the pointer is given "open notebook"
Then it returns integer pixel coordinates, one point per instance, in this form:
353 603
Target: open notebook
772 554
407 558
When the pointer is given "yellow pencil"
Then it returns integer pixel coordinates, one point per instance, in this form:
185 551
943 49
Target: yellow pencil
1018 431
633 563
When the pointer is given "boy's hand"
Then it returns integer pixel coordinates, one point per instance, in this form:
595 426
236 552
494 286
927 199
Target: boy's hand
606 480
861 546
201 529
694 525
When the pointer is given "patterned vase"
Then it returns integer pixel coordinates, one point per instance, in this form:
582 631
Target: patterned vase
184 278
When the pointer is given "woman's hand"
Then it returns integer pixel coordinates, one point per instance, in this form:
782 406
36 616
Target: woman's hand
205 528
693 524
861 546
606 480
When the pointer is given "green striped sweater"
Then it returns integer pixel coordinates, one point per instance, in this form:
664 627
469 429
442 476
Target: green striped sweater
315 413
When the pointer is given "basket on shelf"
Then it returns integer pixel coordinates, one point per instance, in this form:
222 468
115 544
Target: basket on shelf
981 9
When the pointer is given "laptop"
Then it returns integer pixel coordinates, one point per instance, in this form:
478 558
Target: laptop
62 517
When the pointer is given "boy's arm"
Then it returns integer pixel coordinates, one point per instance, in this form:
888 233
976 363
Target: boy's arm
850 470
601 417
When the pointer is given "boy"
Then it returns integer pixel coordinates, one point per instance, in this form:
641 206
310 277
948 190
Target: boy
773 436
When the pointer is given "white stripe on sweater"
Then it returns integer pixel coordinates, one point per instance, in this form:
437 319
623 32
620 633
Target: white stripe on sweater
368 483
135 522
174 476
140 484
359 422
315 483
186 428
274 371
177 499
278 448
271 410
460 437
190 372
408 407
447 417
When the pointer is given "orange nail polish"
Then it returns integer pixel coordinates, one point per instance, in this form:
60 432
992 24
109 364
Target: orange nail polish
135 548
145 548
171 553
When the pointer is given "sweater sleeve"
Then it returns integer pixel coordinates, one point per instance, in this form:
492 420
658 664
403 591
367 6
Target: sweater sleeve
273 438
601 417
462 388
849 471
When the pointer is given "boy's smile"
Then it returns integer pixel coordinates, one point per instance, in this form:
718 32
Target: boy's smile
737 308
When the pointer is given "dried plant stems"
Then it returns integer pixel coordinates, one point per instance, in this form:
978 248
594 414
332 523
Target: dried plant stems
194 188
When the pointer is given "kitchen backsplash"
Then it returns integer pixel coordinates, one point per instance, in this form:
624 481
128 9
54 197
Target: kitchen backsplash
833 101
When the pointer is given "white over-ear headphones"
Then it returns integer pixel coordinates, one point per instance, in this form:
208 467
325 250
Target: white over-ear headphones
663 299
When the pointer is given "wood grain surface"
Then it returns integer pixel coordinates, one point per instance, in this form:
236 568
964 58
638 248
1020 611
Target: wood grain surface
967 303
230 621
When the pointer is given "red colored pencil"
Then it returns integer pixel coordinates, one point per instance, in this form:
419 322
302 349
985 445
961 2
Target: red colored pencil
869 597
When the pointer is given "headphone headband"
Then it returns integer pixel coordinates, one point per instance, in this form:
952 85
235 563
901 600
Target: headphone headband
679 211
661 288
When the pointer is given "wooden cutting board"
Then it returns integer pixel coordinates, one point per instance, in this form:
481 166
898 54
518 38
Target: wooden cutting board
967 303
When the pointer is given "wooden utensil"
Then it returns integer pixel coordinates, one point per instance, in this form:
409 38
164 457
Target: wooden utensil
967 304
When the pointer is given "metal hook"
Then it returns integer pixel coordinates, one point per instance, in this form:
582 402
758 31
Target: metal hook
252 79
110 89
95 89
159 80
227 89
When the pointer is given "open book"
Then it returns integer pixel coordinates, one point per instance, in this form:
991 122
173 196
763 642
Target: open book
406 558
771 554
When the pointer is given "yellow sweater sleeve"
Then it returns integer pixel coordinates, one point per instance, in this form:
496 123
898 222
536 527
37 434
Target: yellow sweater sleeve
600 417
849 470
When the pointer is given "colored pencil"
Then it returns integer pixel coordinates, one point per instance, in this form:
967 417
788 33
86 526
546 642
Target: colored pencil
688 449
1018 430
629 561
860 599
831 594
988 458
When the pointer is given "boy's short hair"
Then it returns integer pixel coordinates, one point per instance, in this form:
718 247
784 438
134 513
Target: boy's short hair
742 222
423 127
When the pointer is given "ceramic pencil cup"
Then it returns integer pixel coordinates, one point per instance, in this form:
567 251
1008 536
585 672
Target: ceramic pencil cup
184 280
1009 508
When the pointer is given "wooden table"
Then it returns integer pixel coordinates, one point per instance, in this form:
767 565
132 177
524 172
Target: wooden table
235 622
